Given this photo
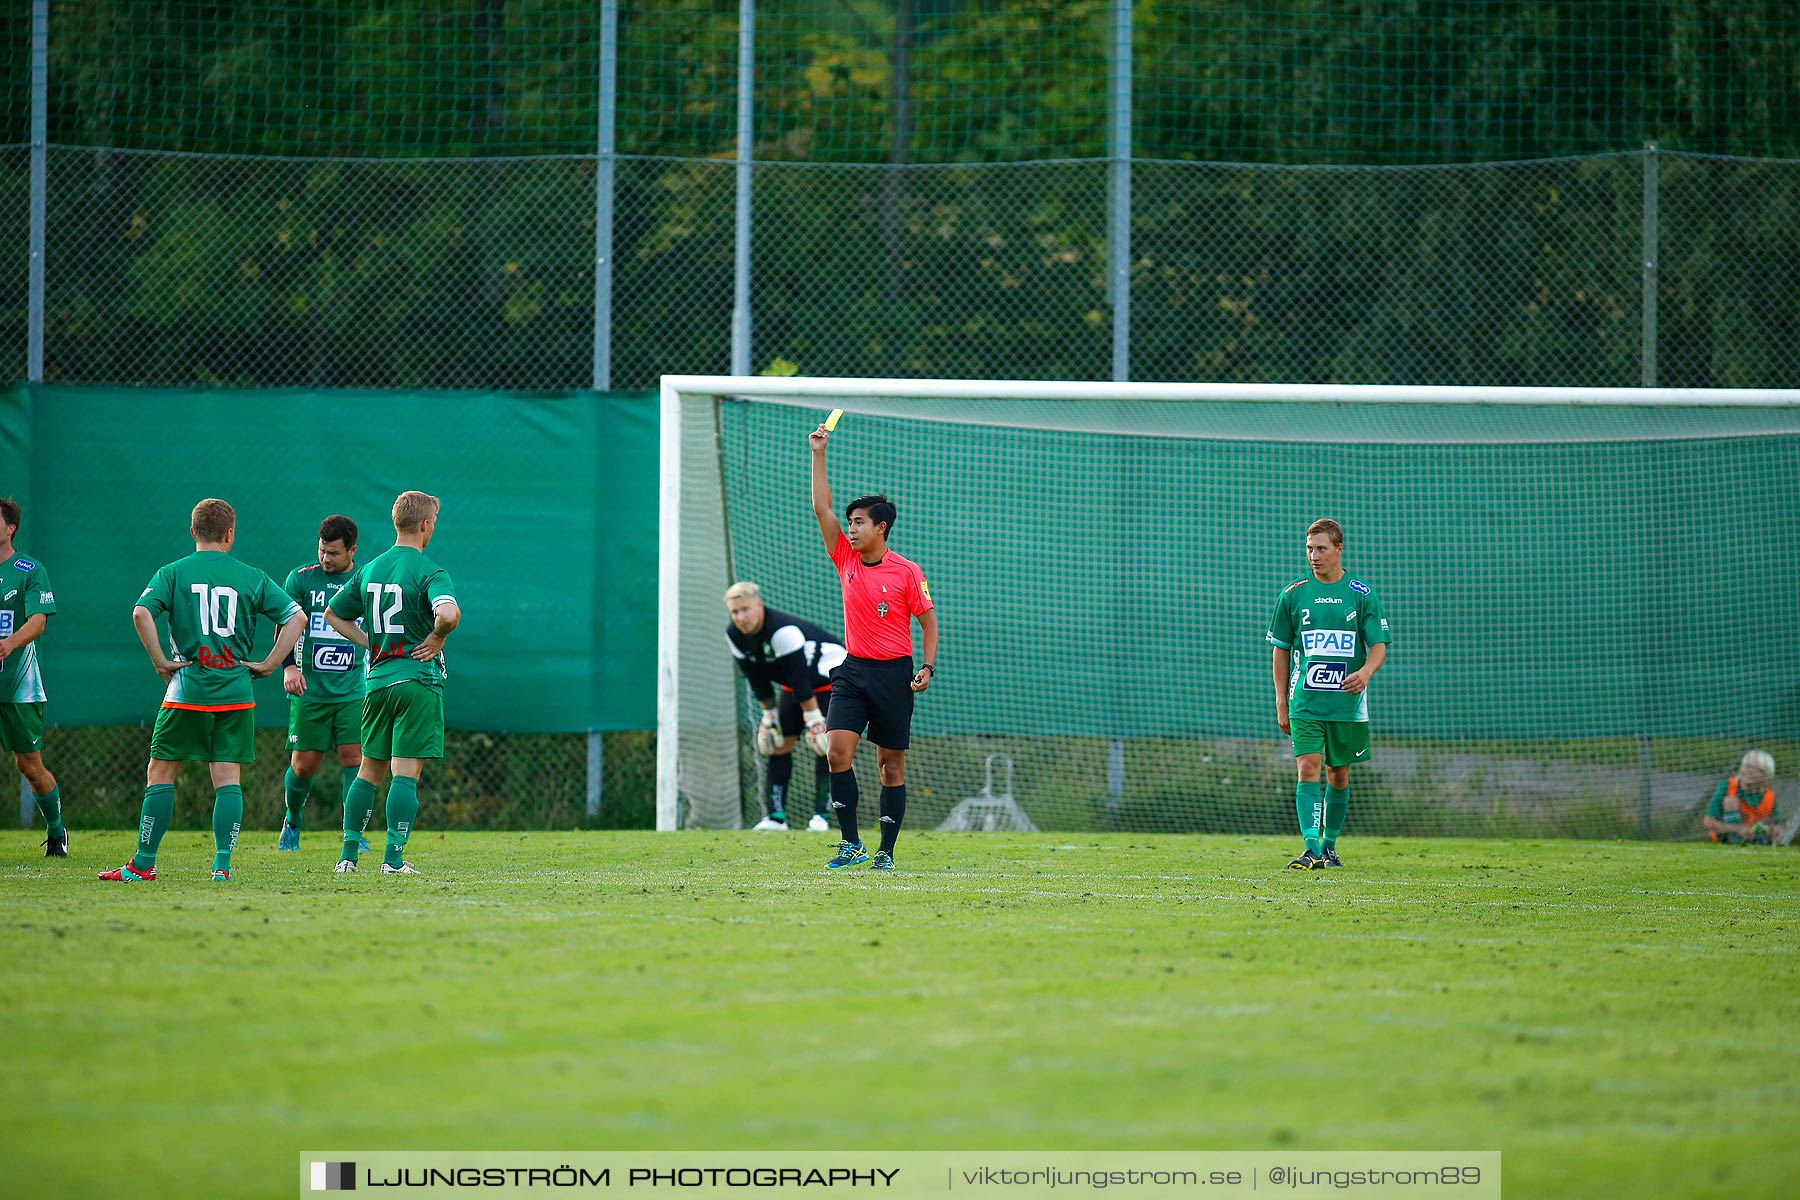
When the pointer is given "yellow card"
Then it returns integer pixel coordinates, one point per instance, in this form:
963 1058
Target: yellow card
837 414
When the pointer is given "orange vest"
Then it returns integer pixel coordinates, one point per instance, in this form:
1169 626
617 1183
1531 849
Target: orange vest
1748 814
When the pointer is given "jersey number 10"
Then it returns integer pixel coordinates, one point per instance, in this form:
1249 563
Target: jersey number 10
218 609
383 619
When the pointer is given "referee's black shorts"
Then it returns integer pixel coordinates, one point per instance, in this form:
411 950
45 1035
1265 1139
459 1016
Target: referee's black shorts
873 694
787 707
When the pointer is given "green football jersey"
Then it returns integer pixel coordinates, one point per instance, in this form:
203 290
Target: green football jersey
212 601
24 592
396 595
1329 628
332 665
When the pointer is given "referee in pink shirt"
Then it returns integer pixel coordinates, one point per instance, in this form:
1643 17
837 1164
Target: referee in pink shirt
873 688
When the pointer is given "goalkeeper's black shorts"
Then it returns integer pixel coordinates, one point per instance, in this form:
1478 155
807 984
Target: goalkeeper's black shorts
873 694
787 707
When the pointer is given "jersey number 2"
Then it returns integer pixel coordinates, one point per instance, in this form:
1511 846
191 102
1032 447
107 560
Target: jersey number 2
384 618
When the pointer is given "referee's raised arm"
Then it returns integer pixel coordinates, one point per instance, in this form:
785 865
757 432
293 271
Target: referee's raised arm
829 528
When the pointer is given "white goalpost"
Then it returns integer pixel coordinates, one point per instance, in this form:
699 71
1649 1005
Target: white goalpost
1104 555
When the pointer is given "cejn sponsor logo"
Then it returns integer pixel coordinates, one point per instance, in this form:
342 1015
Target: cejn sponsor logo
1328 643
1326 676
333 657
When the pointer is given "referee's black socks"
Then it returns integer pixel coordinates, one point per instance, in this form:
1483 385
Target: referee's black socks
893 811
843 799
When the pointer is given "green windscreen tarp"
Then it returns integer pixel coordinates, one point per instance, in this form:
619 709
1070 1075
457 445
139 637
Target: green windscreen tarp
548 529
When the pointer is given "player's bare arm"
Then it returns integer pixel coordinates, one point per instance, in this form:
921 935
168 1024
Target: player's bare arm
928 629
144 622
445 618
1284 662
1356 681
829 528
348 630
24 635
293 680
285 639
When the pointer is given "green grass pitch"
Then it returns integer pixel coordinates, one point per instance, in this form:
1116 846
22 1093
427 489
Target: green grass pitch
1617 1019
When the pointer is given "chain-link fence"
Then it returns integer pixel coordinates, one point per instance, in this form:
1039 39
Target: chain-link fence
485 781
184 269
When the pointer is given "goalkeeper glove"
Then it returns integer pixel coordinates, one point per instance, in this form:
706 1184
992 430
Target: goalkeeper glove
816 737
768 734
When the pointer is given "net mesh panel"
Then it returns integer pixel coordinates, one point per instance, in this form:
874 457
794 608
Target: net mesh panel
1320 81
318 77
932 80
1569 590
921 80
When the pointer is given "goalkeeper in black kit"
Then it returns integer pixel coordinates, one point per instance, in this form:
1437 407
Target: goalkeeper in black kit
788 663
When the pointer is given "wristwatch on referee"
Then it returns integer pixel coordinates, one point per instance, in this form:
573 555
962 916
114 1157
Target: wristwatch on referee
932 667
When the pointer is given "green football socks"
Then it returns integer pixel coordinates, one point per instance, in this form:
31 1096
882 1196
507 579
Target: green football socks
402 808
50 808
349 781
1309 806
298 789
228 819
1337 807
359 808
159 812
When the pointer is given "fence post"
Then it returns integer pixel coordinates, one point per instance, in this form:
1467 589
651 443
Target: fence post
1118 152
604 139
603 194
596 771
40 163
1118 263
40 168
746 132
1647 361
1651 243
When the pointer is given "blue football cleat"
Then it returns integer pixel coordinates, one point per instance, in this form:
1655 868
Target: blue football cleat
850 854
290 838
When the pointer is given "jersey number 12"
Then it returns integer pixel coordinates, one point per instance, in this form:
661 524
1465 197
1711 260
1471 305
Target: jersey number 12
383 619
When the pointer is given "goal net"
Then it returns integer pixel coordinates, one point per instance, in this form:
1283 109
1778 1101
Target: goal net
1591 593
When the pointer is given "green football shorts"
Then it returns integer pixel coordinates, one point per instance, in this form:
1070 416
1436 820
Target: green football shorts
22 727
403 720
323 725
187 735
1343 743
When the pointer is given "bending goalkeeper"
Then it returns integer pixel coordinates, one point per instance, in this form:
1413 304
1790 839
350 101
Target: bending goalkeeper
775 650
